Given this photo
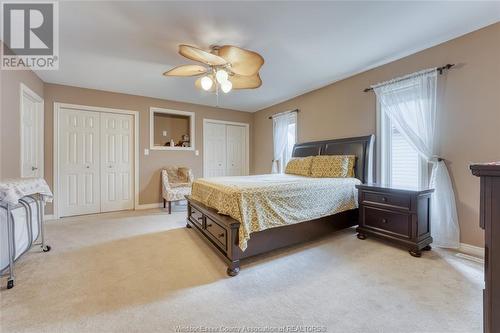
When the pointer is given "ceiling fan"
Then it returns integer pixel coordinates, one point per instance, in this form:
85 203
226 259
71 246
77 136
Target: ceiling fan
226 67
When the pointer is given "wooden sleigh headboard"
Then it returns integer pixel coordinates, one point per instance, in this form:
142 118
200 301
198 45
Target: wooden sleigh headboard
361 147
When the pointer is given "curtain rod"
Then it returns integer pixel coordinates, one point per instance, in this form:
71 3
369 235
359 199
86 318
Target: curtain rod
281 113
439 69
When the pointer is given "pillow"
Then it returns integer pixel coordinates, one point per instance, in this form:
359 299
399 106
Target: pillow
333 166
299 166
352 161
185 173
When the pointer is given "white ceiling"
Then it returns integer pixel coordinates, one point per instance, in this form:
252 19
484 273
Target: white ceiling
126 46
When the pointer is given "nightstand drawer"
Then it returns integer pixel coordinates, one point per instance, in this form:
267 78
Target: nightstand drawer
393 222
397 200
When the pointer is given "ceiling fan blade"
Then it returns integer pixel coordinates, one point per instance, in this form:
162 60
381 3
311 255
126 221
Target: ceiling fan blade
243 62
245 82
186 70
197 83
197 54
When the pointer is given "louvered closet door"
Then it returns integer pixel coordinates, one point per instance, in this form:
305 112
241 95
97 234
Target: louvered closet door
116 162
215 150
236 150
79 162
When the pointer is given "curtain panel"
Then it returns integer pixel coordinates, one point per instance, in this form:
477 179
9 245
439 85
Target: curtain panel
280 132
410 103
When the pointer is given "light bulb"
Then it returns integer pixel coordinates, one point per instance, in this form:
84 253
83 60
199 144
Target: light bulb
206 83
221 76
226 86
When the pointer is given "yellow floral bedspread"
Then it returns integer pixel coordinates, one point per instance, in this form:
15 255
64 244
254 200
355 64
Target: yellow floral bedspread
267 201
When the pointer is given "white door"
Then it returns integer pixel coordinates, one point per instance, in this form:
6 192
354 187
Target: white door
215 149
79 162
116 162
236 150
31 134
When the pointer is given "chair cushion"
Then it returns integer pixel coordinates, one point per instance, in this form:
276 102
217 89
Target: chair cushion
175 185
178 175
177 193
184 174
173 175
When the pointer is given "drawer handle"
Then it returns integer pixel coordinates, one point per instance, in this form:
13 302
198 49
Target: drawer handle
384 199
384 220
200 218
209 225
221 235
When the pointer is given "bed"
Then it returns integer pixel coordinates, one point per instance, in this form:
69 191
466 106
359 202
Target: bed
240 217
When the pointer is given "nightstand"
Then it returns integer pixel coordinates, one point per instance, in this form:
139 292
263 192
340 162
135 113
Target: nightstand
395 214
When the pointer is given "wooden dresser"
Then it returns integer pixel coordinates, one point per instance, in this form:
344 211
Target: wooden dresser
395 214
489 220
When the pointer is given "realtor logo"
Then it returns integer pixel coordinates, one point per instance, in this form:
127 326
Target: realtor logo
30 34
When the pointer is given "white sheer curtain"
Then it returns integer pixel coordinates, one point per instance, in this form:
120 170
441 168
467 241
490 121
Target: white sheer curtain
410 103
280 132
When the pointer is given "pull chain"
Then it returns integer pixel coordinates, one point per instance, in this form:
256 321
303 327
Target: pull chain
217 95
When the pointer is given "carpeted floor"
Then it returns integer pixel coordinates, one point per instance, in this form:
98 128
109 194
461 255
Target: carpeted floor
144 272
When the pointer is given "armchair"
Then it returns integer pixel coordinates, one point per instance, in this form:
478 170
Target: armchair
176 183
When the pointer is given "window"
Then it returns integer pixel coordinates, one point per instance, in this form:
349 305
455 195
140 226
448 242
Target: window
285 131
399 163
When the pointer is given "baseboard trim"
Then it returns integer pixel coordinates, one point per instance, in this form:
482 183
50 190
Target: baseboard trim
150 206
472 250
182 203
469 257
140 207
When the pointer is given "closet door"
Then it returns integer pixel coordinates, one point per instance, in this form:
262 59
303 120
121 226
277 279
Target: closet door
31 134
116 162
236 150
79 162
215 150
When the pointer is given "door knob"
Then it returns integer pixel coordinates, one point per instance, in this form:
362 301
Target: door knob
34 168
88 166
110 166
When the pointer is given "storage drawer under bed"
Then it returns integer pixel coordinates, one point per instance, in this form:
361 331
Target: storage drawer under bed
196 216
217 232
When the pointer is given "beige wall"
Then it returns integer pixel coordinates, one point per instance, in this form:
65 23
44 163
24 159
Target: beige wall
176 126
10 124
149 166
469 113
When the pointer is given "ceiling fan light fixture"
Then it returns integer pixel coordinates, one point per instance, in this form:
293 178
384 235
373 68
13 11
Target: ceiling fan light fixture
223 68
206 83
226 86
221 76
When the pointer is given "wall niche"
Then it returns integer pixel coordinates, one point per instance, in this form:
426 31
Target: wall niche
171 129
